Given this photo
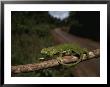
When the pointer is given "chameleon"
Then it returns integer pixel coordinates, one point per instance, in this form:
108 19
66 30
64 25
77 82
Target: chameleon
61 50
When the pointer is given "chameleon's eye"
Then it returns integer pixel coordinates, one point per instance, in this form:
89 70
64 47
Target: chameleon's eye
43 51
64 51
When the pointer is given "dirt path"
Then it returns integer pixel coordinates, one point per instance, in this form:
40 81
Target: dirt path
87 68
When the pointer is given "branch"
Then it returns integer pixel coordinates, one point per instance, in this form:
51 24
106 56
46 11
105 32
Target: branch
53 62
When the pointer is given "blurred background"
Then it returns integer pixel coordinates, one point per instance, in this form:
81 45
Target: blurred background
33 30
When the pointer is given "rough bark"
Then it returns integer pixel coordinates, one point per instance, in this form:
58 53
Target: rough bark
53 62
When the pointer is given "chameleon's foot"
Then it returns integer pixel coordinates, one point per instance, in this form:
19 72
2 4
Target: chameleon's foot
60 60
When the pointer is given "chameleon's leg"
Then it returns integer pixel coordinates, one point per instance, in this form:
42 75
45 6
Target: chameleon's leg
60 59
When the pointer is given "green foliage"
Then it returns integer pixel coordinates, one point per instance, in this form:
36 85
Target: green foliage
26 48
30 33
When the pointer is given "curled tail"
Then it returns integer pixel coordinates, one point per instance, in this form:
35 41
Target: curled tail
60 61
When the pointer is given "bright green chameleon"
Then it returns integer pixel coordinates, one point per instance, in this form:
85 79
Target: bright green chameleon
65 49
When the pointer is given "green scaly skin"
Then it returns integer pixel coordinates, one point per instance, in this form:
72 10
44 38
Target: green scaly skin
65 49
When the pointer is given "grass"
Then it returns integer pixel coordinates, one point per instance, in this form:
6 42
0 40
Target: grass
26 47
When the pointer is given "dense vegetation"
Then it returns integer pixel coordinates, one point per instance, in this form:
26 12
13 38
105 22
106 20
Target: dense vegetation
30 33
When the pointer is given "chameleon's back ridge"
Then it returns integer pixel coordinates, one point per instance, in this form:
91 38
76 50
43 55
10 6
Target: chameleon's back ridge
65 49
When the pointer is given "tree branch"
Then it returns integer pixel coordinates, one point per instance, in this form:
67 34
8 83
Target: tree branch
53 62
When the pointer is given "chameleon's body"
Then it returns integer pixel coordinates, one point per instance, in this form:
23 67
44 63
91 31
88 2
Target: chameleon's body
64 49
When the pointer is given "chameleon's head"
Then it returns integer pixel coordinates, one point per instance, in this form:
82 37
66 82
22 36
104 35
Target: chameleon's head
44 51
50 51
